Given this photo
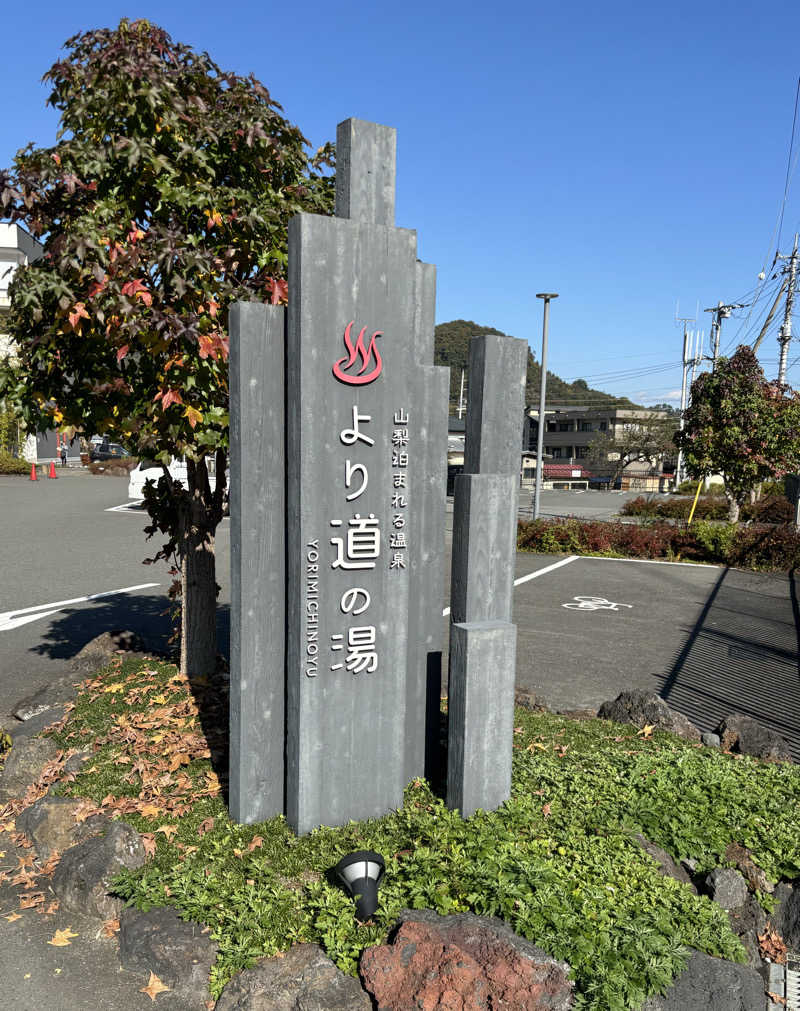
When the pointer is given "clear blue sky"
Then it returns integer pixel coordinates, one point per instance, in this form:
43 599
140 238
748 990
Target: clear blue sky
625 155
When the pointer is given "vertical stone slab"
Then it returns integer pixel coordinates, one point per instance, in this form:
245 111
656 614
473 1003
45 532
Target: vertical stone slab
497 367
482 638
258 586
426 558
359 511
481 727
366 155
484 547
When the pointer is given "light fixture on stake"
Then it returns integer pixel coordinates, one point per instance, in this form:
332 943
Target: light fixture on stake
361 873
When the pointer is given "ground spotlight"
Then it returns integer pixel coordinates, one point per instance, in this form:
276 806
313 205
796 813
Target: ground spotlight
361 873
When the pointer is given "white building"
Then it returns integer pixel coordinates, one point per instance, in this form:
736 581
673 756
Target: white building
17 248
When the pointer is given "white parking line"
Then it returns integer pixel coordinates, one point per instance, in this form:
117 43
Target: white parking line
127 507
534 575
651 561
13 619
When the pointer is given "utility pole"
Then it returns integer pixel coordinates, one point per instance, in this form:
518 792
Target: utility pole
785 335
697 355
686 362
720 312
542 385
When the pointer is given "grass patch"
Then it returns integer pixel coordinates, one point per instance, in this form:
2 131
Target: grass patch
556 862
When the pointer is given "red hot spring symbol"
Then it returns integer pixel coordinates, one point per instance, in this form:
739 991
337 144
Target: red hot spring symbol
369 358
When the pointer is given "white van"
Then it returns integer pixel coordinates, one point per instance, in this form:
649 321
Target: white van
149 470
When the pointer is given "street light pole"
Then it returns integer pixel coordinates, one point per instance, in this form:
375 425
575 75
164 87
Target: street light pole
542 385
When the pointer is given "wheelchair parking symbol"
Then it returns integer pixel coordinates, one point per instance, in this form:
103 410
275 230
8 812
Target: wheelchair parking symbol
593 604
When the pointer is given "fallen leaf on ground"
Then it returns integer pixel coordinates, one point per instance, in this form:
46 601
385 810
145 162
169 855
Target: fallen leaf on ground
205 826
256 843
13 916
646 731
110 927
546 810
149 843
168 830
154 987
61 938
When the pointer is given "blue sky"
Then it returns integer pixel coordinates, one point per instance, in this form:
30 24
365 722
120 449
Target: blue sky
628 156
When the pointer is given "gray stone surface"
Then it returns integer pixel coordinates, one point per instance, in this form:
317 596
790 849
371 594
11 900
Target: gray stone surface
366 156
100 650
302 979
727 888
747 736
426 555
83 876
180 953
484 530
712 984
481 715
647 709
51 826
258 567
347 704
482 638
497 371
24 764
710 740
786 917
53 694
666 864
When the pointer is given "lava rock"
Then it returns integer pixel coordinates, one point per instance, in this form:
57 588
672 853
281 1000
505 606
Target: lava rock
747 736
530 700
54 694
752 873
748 921
666 864
462 961
24 764
711 740
302 979
712 984
51 826
179 953
727 888
103 648
786 916
83 877
646 709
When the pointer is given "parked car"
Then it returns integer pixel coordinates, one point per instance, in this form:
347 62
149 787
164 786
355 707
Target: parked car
107 451
149 470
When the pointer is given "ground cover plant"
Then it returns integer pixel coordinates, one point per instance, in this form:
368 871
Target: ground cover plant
557 862
762 547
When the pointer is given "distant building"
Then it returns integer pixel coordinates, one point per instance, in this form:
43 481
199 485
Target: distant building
17 248
569 431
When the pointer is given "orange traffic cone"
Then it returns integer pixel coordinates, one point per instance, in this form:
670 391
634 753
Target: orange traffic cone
52 470
34 476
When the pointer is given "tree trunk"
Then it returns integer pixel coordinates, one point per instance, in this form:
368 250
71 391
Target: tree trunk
198 605
201 514
733 510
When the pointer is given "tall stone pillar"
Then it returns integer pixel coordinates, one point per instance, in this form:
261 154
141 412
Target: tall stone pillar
482 637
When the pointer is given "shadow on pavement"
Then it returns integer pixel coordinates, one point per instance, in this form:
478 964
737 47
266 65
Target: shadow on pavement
147 615
742 656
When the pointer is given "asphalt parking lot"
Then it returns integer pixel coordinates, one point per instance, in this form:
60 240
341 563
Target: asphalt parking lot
710 640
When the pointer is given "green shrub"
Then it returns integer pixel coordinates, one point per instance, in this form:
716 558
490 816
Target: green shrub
13 465
760 547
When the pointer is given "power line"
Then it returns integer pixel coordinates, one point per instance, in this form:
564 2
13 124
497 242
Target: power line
789 163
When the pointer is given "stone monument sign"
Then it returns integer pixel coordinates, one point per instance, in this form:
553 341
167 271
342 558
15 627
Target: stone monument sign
338 501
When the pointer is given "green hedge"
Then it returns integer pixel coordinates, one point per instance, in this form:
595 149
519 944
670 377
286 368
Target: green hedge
13 465
771 509
768 548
